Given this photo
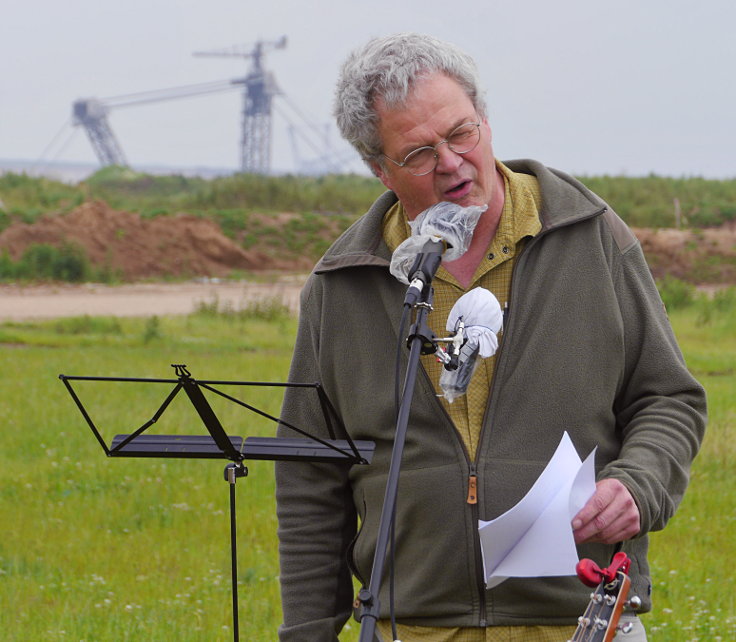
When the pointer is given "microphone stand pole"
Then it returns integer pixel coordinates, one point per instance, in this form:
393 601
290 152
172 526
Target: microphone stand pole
420 341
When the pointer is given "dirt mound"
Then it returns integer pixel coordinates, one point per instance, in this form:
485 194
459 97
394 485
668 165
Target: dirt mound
137 248
701 256
188 246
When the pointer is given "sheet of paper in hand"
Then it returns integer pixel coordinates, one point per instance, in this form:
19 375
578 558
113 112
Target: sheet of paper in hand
534 538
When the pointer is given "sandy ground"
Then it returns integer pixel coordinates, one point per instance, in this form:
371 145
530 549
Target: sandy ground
22 303
52 301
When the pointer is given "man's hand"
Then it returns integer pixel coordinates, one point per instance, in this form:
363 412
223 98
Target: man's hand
609 516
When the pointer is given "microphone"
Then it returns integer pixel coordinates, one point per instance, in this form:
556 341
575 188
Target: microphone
425 267
476 319
441 232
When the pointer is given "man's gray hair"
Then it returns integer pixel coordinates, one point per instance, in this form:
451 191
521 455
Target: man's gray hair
387 69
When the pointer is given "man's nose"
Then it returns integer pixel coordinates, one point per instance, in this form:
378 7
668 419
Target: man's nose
447 160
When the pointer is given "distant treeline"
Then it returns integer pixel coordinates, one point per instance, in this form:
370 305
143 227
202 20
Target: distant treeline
651 201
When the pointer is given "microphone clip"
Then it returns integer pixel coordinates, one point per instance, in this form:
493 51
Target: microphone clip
450 357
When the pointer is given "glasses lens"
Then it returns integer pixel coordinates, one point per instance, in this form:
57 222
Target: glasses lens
421 161
464 138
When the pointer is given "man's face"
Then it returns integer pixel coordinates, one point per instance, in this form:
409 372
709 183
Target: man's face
433 110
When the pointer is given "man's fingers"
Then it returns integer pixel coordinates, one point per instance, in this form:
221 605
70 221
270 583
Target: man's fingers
609 516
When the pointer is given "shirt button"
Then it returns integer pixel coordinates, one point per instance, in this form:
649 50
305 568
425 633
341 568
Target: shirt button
491 256
505 250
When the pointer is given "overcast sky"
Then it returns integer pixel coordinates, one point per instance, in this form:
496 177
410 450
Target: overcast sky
591 87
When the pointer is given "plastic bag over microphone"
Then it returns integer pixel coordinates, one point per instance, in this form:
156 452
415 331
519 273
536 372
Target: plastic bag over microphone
446 221
482 320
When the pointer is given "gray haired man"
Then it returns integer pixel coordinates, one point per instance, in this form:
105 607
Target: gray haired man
586 349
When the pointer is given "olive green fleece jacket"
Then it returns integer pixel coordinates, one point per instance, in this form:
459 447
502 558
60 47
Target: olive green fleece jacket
587 349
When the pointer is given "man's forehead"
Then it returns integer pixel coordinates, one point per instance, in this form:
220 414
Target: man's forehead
436 105
423 135
399 100
432 140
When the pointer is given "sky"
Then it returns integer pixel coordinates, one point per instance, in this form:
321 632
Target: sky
590 87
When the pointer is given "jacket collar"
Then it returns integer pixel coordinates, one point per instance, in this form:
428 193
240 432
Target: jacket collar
362 243
565 200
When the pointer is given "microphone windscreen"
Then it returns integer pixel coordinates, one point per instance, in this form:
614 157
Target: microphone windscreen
405 255
482 319
450 222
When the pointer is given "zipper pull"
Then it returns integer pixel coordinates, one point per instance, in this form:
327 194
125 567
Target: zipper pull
472 489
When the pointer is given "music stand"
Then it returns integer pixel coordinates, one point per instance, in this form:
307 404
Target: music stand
219 445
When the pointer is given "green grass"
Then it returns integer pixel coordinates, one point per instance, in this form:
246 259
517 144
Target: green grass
647 201
691 559
132 549
94 548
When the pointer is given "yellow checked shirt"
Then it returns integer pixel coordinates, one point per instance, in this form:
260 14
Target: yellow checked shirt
519 222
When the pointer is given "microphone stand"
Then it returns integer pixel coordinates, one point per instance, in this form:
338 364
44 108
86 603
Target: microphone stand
420 341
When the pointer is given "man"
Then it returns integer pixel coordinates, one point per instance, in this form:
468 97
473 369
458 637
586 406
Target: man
586 349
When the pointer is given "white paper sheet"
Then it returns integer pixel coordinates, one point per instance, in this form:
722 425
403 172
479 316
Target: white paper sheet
534 538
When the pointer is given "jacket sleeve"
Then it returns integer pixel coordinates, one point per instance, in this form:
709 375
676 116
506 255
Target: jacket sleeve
316 515
660 407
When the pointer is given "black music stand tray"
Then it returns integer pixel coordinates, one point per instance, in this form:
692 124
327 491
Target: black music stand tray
219 445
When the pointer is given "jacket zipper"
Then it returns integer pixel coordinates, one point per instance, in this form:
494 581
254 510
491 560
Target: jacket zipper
472 500
472 486
473 477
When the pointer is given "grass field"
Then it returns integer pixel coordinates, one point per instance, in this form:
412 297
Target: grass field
138 549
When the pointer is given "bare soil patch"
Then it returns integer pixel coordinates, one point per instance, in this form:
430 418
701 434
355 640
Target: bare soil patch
700 256
188 246
22 303
137 248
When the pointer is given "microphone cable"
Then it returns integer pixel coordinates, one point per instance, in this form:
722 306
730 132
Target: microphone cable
406 308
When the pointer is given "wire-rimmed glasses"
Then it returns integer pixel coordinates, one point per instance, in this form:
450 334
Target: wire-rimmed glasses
423 160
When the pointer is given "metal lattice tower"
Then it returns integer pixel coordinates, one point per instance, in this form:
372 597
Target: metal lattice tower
260 88
92 115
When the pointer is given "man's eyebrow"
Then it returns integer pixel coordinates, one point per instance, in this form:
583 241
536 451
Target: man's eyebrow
463 121
409 148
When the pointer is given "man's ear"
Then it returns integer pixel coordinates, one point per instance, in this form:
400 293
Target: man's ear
381 174
488 126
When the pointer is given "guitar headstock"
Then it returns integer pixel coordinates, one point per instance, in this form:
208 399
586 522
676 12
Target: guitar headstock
599 623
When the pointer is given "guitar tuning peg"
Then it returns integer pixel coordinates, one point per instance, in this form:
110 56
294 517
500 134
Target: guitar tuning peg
633 603
626 628
600 623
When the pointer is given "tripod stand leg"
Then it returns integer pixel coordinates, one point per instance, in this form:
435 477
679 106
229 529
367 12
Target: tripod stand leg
232 472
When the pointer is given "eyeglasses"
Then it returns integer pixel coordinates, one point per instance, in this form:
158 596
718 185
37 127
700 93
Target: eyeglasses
423 160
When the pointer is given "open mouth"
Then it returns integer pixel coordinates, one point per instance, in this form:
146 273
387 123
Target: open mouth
459 190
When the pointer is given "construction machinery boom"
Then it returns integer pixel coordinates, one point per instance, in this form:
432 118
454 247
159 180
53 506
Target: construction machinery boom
91 114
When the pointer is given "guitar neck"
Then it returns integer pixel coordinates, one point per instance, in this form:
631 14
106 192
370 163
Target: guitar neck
599 622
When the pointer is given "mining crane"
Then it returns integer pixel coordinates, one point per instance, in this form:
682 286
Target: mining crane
91 114
260 88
